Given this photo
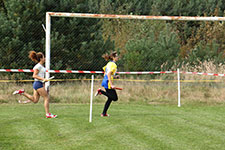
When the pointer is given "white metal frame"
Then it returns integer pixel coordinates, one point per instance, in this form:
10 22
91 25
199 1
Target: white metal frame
91 97
110 16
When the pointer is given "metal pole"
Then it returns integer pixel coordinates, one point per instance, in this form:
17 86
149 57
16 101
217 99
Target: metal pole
178 81
113 16
47 49
91 99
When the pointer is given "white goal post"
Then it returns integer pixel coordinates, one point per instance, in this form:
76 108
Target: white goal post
112 16
109 16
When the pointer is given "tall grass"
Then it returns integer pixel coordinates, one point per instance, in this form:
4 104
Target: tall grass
206 67
134 90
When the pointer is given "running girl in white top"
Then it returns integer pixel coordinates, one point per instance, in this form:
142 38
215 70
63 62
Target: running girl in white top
38 86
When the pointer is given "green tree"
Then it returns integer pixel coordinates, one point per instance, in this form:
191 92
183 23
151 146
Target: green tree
152 51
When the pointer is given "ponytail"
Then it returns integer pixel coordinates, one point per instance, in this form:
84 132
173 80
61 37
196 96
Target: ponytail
36 57
109 57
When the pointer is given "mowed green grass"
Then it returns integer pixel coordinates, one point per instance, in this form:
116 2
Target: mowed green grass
130 127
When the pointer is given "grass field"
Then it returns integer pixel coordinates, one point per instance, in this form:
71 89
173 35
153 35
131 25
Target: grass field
130 127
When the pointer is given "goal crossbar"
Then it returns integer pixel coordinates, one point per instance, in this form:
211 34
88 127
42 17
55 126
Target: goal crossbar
141 17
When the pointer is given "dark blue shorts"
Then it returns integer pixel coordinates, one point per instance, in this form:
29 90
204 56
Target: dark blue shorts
37 85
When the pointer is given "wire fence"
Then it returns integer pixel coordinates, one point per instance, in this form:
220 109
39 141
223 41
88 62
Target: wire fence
79 43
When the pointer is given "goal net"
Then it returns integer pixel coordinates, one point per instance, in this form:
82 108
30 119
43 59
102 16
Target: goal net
151 48
151 44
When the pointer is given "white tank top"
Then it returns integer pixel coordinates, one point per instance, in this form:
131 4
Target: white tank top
41 70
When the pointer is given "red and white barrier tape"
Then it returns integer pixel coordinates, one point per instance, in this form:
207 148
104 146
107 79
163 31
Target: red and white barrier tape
73 71
200 73
16 70
147 72
79 71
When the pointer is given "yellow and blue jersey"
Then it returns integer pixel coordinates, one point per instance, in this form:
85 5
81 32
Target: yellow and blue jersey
110 67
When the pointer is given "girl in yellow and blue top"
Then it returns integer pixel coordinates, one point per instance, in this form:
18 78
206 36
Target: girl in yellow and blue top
107 82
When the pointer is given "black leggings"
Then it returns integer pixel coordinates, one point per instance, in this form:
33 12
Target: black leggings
112 96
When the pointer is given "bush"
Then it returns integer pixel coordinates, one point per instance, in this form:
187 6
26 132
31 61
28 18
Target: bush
152 51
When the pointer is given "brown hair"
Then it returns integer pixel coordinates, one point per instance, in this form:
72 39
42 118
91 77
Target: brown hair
36 57
109 57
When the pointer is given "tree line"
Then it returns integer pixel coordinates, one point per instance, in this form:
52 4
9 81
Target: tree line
79 43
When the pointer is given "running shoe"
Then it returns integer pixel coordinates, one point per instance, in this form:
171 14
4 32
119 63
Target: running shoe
24 102
98 92
104 115
21 91
50 115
